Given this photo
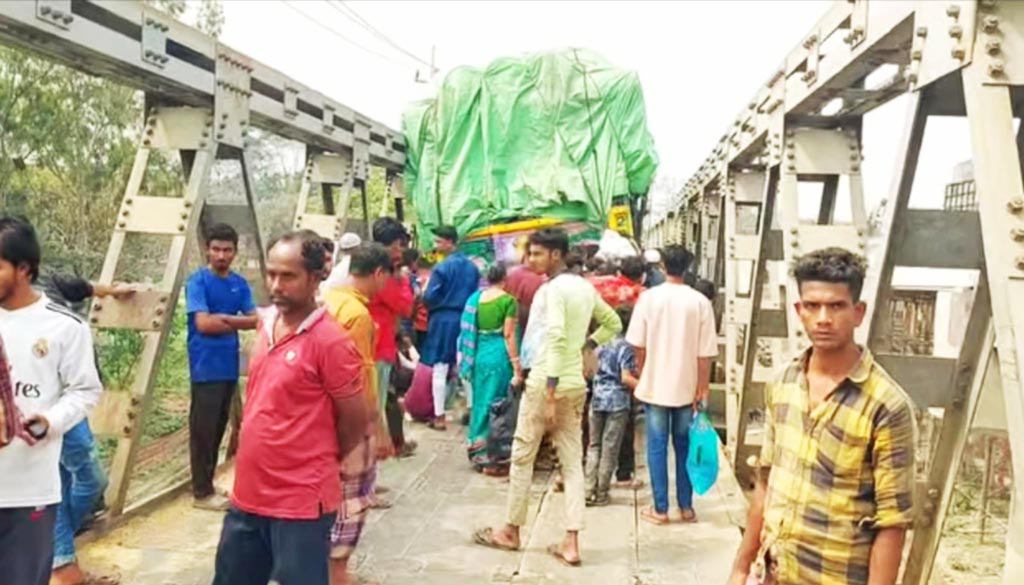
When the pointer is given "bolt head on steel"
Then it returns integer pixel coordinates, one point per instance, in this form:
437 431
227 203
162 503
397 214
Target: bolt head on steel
996 67
953 10
958 52
993 46
1015 205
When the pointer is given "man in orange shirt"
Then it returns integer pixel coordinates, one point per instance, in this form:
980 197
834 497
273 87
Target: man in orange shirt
369 270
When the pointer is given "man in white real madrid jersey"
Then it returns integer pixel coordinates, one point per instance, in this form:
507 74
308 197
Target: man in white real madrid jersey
55 382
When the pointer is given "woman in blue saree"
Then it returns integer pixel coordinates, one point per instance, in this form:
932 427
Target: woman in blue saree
489 360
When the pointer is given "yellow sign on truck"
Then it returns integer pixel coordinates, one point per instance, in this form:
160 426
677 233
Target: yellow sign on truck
620 219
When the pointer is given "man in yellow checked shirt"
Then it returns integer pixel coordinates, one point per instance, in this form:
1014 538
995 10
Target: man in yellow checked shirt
835 494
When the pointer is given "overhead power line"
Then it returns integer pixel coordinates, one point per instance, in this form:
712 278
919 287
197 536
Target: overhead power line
348 12
343 37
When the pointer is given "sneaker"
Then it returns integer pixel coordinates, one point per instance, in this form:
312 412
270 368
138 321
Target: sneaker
214 503
629 484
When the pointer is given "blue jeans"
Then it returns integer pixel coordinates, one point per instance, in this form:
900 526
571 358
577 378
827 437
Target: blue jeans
661 423
82 483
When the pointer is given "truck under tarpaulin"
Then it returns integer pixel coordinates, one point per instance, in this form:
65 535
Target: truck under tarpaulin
551 138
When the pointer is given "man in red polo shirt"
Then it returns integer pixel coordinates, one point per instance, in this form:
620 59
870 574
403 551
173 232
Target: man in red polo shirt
304 412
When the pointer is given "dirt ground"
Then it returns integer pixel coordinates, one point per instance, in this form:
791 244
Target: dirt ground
964 559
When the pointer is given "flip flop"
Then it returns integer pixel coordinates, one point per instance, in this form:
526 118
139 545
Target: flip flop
380 504
650 515
485 537
555 550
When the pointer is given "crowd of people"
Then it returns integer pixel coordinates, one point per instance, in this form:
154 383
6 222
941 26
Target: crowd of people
565 352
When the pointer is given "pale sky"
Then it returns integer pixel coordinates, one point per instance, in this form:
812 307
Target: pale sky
699 63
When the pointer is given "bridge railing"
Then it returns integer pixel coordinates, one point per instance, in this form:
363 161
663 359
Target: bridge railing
202 98
741 215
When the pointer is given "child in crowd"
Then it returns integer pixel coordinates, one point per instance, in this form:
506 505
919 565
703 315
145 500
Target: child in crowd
610 409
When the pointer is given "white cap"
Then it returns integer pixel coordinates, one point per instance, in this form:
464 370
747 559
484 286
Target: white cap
349 241
652 257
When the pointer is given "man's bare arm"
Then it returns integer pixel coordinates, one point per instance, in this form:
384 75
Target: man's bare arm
751 542
353 418
641 358
629 380
886 556
212 324
221 324
238 322
703 378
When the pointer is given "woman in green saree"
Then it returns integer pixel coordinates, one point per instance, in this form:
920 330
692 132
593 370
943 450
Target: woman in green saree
489 360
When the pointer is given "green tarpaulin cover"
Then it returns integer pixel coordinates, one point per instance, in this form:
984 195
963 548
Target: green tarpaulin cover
555 134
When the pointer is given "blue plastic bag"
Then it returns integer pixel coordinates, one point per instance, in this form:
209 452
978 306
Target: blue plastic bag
702 458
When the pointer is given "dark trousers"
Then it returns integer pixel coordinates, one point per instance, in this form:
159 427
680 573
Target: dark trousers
26 545
627 452
606 430
256 549
207 420
394 414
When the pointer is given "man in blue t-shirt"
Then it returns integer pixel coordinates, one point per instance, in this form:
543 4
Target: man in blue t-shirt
219 304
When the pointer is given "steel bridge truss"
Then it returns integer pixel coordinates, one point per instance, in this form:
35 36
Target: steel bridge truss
202 97
739 213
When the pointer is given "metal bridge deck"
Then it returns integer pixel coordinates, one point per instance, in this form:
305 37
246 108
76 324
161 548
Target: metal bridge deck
425 538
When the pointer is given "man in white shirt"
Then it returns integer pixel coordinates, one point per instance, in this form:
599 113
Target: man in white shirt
673 332
53 371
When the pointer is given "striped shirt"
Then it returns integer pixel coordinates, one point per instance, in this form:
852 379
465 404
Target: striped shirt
840 471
